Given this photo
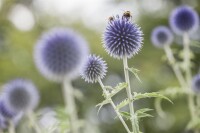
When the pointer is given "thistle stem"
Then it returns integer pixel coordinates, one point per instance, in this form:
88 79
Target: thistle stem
175 67
134 121
188 76
114 107
33 123
11 128
68 93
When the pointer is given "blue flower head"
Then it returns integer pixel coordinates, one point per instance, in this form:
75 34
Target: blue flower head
122 37
162 36
19 95
60 53
196 83
94 69
184 19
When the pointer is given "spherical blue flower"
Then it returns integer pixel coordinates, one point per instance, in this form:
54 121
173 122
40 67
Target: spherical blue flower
5 111
20 95
94 69
162 36
122 37
60 53
184 19
196 83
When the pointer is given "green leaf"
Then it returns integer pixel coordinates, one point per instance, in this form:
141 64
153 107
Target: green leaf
135 72
141 113
158 108
117 89
138 96
127 115
173 92
107 101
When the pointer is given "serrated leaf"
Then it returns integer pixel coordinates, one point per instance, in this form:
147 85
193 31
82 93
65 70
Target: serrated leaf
138 96
173 92
123 103
117 89
135 72
126 115
107 101
141 113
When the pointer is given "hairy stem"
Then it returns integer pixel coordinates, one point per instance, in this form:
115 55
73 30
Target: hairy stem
114 107
175 67
134 120
33 122
68 92
188 75
11 128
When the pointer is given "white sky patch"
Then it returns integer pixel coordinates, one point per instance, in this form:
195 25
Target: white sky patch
93 13
21 17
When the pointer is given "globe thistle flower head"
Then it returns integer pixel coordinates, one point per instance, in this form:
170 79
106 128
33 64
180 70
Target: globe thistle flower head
196 83
94 69
184 19
6 112
20 95
122 37
60 53
161 36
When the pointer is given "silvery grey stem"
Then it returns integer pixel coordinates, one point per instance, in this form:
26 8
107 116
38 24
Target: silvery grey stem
114 107
68 93
134 122
175 67
11 128
33 122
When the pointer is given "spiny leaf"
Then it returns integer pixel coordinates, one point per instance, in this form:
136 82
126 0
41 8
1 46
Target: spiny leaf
123 103
117 89
173 92
141 113
138 96
127 115
107 101
135 72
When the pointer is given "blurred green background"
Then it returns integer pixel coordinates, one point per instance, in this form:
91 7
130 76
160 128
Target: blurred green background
23 21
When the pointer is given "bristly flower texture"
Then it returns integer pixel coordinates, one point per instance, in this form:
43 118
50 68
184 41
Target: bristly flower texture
184 19
196 83
94 69
20 95
161 36
122 37
61 53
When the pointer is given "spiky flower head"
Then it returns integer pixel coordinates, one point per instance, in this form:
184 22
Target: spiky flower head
161 36
20 95
184 19
196 83
122 37
60 53
94 69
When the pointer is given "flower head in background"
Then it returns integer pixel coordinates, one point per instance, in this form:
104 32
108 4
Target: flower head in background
122 37
196 83
162 36
60 53
94 69
20 95
184 19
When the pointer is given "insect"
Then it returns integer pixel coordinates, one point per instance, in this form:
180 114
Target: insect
111 18
127 14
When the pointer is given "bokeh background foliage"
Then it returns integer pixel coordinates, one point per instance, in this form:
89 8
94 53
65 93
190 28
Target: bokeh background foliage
19 33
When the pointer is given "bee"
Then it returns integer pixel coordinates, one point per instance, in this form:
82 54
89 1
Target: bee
111 18
127 14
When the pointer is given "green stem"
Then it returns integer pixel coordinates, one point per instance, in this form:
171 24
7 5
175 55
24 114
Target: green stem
11 128
33 123
186 43
114 107
175 67
68 93
134 120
